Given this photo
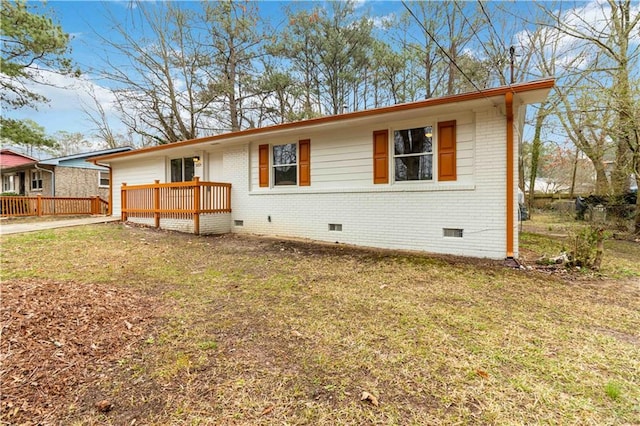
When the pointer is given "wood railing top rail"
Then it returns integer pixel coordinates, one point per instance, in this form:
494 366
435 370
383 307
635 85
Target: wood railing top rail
188 184
45 197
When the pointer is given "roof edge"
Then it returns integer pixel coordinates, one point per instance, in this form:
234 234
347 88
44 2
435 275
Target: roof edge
542 84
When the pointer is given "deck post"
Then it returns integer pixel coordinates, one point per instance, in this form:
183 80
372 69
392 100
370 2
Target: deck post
39 205
123 202
196 205
156 203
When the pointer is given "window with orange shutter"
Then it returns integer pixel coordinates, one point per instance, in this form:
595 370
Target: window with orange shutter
413 154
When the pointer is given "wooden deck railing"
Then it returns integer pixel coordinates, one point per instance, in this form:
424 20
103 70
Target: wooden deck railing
176 200
51 206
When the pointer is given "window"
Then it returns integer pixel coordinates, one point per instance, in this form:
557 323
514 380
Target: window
290 164
413 154
182 169
103 179
285 164
36 180
8 183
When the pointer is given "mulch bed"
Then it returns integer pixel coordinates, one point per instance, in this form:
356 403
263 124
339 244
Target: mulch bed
56 336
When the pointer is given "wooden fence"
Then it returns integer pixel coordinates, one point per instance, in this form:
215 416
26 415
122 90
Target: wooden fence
175 200
51 206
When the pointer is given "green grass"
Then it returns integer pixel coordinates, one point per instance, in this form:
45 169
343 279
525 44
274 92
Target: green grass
258 331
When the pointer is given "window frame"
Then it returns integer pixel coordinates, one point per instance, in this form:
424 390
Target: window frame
100 179
36 180
182 168
296 165
432 153
9 183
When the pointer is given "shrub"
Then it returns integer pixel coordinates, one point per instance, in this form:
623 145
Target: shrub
587 247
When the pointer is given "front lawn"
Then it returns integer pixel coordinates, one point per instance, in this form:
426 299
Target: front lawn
110 324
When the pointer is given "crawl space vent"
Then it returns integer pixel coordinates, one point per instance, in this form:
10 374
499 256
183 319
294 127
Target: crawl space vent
238 222
452 232
335 227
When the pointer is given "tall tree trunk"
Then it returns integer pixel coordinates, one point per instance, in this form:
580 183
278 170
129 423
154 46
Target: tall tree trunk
602 182
637 174
536 144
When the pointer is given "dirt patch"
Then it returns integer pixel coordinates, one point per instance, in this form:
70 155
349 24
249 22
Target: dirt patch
57 336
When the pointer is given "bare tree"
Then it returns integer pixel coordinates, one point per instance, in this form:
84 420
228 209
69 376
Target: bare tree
613 71
158 87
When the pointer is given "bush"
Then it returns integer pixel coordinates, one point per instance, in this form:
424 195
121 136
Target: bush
587 248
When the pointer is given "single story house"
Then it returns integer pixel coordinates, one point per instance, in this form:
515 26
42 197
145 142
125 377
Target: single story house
68 176
437 175
14 182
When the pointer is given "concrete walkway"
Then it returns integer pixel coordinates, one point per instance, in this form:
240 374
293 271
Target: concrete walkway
18 228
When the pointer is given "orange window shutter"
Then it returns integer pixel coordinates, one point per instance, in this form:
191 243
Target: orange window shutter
447 151
263 165
304 162
380 156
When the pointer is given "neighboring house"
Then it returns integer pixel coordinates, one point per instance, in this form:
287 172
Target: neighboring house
437 175
14 181
69 176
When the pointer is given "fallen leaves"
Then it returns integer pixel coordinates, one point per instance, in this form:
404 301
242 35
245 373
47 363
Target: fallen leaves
268 410
366 396
482 374
56 336
104 406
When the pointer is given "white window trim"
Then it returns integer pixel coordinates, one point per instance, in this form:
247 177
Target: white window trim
272 166
433 153
100 172
170 159
11 183
31 175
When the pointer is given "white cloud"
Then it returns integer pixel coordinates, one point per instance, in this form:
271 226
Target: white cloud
68 97
573 53
381 22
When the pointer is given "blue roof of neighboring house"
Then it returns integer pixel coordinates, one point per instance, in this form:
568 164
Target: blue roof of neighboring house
80 160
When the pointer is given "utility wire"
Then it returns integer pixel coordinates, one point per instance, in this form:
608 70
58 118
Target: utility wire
511 50
441 48
504 46
494 65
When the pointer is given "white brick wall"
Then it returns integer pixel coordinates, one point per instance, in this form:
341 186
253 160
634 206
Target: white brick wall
402 215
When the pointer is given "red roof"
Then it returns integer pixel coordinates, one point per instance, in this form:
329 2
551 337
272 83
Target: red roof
10 159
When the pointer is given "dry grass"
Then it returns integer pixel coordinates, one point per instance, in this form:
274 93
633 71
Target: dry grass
259 331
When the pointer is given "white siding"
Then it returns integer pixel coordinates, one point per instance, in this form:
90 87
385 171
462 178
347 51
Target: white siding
215 167
136 172
403 215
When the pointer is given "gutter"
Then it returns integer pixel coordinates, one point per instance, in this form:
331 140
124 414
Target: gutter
508 100
110 208
53 178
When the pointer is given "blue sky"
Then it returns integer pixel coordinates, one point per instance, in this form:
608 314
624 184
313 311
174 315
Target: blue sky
86 21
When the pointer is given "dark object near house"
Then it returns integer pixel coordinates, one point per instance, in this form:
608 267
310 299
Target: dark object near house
581 208
523 212
621 206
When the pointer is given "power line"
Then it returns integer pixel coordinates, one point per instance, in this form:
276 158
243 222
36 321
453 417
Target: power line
512 49
441 48
504 46
495 66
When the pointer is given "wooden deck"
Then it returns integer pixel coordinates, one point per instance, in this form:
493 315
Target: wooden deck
175 200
